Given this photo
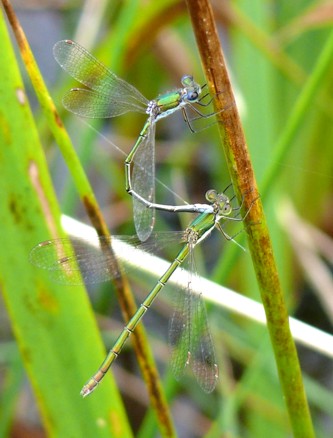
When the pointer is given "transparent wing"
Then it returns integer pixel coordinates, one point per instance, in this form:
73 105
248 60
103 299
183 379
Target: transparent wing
189 336
202 360
76 261
85 68
180 332
143 183
88 103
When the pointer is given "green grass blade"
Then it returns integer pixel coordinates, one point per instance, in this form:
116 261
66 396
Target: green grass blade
54 325
13 381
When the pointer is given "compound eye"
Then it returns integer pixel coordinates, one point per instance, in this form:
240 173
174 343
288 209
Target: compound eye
187 80
192 96
226 209
211 195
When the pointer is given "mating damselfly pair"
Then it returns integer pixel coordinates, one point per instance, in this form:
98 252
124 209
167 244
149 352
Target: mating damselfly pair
74 261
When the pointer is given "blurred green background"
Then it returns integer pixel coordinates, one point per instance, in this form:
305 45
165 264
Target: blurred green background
272 49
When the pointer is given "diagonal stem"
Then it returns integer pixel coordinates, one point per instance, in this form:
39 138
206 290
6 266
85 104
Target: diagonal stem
242 175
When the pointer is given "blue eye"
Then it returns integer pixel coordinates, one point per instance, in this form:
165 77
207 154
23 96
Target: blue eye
192 96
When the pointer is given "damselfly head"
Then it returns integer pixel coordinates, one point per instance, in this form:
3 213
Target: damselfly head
192 90
220 201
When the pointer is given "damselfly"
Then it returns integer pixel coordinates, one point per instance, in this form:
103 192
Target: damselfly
109 96
75 261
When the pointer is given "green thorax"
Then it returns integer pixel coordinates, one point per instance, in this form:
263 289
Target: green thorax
168 103
202 225
198 230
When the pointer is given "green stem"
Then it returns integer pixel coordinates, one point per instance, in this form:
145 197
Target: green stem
302 105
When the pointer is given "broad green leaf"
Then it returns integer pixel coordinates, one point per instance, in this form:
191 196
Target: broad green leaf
54 325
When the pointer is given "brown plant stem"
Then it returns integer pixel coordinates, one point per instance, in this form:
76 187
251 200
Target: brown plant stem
243 178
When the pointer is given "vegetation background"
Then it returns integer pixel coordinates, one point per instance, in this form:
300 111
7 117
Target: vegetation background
50 331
